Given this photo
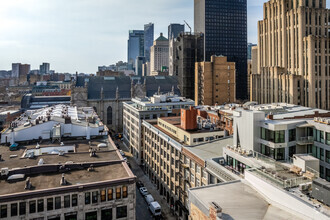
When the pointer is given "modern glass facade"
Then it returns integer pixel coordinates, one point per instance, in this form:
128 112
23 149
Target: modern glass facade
135 45
148 39
224 23
174 30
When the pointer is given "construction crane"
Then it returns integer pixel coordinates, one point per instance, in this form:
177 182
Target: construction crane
187 25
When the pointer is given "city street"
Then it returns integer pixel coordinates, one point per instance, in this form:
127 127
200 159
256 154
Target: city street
142 211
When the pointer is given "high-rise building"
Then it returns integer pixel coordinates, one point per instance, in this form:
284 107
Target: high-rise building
174 30
224 23
159 54
249 50
293 50
139 65
148 39
24 70
135 45
185 51
44 68
15 70
215 82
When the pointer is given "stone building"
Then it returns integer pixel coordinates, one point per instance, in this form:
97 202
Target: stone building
215 82
293 54
107 94
159 54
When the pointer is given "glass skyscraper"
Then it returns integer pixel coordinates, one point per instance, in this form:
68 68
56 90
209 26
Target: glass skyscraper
135 45
174 30
224 23
148 39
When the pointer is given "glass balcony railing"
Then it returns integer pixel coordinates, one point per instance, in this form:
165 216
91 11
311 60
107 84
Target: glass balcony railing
305 140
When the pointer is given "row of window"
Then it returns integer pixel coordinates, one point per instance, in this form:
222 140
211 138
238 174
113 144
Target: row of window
321 136
273 136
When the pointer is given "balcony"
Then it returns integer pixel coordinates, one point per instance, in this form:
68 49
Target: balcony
305 140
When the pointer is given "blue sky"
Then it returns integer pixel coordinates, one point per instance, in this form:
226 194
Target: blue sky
80 35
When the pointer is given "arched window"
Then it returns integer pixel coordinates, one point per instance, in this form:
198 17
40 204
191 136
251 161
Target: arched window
109 115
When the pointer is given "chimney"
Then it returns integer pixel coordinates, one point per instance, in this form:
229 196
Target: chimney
28 184
63 180
189 119
215 211
270 117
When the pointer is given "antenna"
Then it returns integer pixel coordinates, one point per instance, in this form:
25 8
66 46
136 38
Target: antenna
187 25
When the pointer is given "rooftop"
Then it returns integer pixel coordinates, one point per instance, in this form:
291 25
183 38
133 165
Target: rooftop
238 200
45 171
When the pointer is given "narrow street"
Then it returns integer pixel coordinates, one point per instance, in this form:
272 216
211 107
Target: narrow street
137 170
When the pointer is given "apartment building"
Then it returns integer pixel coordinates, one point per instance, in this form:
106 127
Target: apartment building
280 131
215 81
177 151
140 109
293 54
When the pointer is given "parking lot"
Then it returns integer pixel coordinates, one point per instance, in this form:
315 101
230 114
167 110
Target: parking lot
142 211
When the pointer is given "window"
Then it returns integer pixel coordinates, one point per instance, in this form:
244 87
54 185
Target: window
118 192
110 194
91 216
22 208
124 191
50 204
327 157
57 202
121 212
327 139
67 201
95 195
74 200
40 205
103 196
87 198
192 178
13 209
106 214
3 211
32 206
109 115
198 170
292 135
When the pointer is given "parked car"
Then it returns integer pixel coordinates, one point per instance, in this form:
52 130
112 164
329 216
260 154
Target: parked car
139 184
14 147
155 209
149 199
143 191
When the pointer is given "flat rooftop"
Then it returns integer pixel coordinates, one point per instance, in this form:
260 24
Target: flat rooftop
108 165
213 149
238 200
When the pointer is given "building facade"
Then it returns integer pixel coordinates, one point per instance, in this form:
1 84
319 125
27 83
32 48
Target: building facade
224 24
174 30
185 50
139 65
44 68
139 109
135 45
148 39
159 54
293 62
215 82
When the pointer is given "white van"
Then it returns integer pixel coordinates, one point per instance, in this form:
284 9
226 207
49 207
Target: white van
155 209
149 199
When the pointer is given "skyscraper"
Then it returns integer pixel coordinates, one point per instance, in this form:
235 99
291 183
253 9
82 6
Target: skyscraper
174 30
135 45
148 39
249 50
15 70
224 23
159 54
293 55
44 68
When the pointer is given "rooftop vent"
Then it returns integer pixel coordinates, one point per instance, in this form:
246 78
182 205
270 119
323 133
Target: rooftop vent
91 168
63 180
28 184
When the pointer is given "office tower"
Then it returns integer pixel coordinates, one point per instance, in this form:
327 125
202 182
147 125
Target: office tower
185 51
44 68
148 39
224 23
249 50
215 82
139 65
293 55
159 54
135 45
24 70
174 30
15 70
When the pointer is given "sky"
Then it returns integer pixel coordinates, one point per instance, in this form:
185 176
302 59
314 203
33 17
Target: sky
80 35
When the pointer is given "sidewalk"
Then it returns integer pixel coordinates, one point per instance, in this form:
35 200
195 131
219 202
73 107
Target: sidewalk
138 172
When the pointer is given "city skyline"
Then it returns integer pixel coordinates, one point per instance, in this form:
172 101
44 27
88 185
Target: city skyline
86 34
